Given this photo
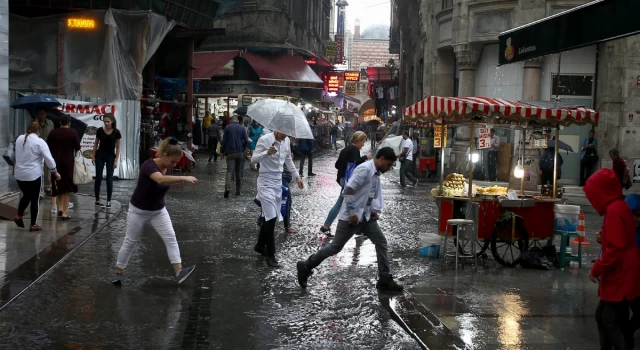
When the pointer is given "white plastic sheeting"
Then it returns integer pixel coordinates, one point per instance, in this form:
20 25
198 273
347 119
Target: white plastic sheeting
105 61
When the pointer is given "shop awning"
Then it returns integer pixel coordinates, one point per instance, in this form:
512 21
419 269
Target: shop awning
207 64
462 109
287 71
581 26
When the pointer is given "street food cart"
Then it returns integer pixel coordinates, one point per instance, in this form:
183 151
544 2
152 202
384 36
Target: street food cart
507 225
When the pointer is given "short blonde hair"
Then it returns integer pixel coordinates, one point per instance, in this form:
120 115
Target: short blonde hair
358 136
169 147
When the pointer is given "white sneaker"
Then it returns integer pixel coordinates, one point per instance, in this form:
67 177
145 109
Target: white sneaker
70 205
54 209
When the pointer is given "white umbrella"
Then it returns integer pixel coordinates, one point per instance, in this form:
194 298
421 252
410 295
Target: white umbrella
281 116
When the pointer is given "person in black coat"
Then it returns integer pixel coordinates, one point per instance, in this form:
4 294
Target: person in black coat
350 154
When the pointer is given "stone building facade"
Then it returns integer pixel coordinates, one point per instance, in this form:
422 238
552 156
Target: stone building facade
295 24
449 48
367 52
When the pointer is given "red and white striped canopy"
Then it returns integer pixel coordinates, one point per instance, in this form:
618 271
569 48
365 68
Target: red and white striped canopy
459 109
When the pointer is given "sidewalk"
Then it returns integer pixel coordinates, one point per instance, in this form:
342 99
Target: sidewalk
26 256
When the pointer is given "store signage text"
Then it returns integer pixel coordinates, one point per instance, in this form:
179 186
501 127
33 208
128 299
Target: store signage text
332 82
349 88
332 49
81 23
439 137
340 49
484 138
352 76
86 109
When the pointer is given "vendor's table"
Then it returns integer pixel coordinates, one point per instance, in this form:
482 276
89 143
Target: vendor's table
508 229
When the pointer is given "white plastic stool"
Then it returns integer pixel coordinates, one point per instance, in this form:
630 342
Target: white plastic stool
459 223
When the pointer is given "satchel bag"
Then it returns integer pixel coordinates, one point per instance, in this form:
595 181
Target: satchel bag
81 174
10 154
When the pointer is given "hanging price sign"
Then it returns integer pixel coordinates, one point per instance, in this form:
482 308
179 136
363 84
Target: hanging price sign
439 137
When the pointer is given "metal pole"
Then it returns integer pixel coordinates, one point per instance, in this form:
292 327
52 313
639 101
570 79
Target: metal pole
524 145
442 156
555 163
557 87
472 146
190 49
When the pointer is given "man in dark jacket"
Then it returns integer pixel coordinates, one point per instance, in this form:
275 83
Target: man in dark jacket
306 147
234 143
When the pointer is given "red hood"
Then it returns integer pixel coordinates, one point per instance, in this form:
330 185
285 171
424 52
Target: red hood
602 189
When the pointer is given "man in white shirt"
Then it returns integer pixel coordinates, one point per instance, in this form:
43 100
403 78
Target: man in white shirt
406 161
272 152
360 212
492 163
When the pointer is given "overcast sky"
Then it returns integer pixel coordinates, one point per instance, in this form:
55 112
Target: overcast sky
369 12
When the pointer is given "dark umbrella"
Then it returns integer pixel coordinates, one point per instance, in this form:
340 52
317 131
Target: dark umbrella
33 102
563 146
241 111
79 126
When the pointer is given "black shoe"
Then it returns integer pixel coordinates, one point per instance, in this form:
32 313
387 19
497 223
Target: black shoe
226 194
389 285
272 262
237 193
303 273
260 250
312 174
117 279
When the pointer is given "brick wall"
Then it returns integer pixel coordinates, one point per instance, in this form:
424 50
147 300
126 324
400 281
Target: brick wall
372 52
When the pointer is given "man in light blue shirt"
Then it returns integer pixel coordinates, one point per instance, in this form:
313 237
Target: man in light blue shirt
360 212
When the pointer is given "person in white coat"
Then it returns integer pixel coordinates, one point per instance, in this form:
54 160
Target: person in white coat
272 152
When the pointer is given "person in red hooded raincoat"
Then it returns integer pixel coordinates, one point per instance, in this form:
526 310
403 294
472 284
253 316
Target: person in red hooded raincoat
618 267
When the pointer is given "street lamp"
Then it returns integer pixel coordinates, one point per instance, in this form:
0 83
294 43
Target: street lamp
342 3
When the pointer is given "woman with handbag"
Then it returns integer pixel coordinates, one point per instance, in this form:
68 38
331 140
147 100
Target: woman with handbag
63 143
350 154
106 152
31 152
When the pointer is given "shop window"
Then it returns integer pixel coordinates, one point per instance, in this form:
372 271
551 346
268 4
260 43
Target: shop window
573 85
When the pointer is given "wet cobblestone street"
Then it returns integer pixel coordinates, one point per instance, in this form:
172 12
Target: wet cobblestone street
234 301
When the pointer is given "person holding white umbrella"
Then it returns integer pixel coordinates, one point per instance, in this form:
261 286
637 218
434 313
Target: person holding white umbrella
272 152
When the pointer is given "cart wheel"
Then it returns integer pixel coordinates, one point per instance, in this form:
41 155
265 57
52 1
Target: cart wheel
507 250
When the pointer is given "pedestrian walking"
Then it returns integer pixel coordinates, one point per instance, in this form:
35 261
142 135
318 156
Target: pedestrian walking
620 168
406 161
31 152
618 267
416 149
46 126
147 207
106 152
273 151
588 156
63 144
360 213
247 153
306 146
350 154
492 163
234 142
255 131
334 136
373 128
207 120
213 133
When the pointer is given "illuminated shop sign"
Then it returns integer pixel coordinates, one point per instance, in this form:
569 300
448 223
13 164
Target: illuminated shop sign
81 23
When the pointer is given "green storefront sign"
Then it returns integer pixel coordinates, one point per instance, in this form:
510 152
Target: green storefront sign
584 25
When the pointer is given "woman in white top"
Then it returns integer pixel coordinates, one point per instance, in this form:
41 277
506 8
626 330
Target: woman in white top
31 151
